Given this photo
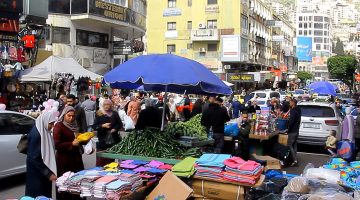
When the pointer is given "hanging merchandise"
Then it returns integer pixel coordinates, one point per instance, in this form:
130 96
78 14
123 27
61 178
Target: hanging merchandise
62 82
83 84
21 55
98 85
12 53
4 53
29 41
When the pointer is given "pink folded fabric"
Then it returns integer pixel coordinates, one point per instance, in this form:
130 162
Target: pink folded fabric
128 166
165 167
155 164
240 164
127 161
142 169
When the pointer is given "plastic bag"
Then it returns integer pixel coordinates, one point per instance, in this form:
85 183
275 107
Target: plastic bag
122 115
345 149
89 148
290 196
129 124
298 185
231 129
307 167
328 175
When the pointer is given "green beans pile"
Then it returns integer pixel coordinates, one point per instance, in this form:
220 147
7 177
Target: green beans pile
191 128
151 142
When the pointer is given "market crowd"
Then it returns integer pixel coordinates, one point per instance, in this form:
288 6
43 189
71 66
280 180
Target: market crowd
53 147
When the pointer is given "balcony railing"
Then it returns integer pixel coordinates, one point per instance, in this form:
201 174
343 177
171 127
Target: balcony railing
207 55
107 10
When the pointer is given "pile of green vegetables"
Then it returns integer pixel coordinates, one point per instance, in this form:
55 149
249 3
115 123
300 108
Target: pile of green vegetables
151 142
192 128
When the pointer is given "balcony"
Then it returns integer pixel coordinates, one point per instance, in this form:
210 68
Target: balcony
205 35
206 55
95 11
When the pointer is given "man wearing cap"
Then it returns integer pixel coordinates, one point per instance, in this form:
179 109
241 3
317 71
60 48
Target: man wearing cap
214 118
293 129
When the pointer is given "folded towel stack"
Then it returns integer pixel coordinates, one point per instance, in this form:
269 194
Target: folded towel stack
241 171
211 165
185 168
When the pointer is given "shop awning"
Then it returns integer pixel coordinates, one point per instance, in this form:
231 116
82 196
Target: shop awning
45 71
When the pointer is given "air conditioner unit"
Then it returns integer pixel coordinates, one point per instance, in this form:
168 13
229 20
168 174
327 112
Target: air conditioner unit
202 26
227 66
202 50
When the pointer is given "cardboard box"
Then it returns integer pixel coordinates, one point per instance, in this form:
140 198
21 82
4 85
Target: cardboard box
283 139
170 188
205 189
271 163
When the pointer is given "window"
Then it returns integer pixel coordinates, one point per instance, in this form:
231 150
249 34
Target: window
318 33
244 24
64 8
310 18
92 39
244 45
327 19
212 47
305 32
318 25
189 3
171 3
318 18
171 48
326 47
300 32
212 24
318 46
189 45
326 33
310 25
310 32
300 25
300 18
318 40
212 2
60 35
326 26
305 25
11 124
326 40
171 26
189 25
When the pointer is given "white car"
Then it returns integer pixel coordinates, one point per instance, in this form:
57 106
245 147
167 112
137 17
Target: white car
262 103
317 119
264 94
12 126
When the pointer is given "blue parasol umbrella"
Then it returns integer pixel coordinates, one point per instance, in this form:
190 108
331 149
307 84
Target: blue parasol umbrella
166 72
323 87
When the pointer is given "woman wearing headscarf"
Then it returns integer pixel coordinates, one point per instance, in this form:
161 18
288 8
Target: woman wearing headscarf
134 109
348 128
69 150
108 124
40 163
172 108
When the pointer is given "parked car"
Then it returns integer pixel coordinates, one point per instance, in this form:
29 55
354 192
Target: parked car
299 92
262 94
317 119
12 126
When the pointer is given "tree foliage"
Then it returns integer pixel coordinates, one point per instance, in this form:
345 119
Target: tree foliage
303 76
343 68
339 48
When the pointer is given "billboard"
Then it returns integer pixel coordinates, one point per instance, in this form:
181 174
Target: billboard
304 49
230 49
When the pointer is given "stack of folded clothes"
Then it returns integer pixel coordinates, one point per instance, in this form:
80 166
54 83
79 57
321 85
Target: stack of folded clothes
61 181
118 188
185 168
238 170
100 186
211 165
87 182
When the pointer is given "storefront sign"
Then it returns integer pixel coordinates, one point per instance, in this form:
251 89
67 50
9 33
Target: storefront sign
205 35
168 12
212 8
116 12
230 48
5 37
9 26
234 77
122 47
100 56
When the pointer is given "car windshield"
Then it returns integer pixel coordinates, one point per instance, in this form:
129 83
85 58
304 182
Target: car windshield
299 92
261 102
261 95
316 111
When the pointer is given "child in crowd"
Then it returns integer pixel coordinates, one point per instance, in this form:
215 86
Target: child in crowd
331 143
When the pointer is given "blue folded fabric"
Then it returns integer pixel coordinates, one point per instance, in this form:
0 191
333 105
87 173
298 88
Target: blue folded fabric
139 162
126 171
27 198
156 171
213 160
42 198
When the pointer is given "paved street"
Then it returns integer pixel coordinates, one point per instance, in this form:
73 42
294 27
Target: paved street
14 187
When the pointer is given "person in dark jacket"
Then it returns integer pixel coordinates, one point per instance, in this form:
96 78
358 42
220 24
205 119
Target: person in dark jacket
197 108
253 107
236 108
215 118
40 163
285 106
80 116
107 122
293 129
186 110
208 101
160 106
244 131
149 117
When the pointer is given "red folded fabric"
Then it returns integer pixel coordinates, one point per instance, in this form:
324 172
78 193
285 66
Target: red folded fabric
240 164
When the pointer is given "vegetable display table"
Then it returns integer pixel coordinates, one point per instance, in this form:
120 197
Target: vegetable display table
131 157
